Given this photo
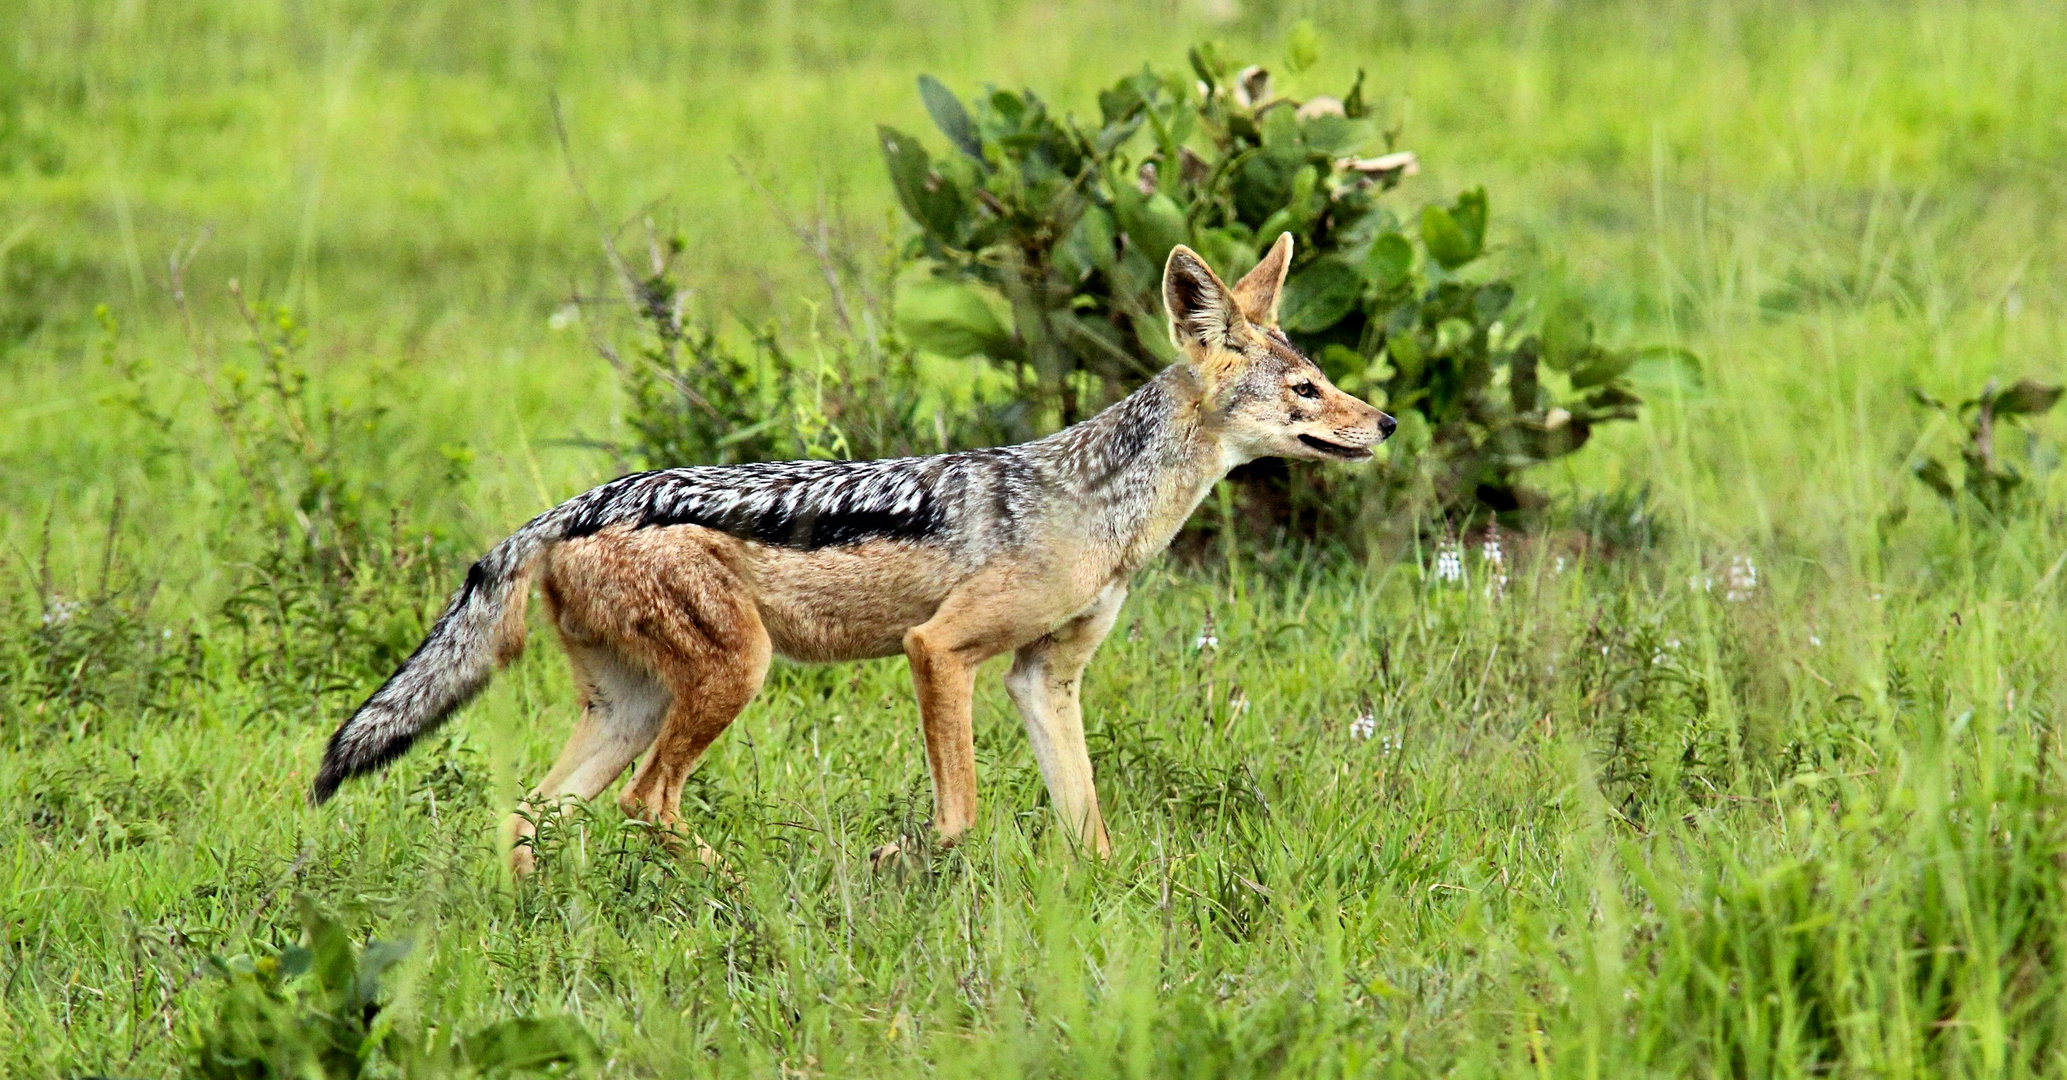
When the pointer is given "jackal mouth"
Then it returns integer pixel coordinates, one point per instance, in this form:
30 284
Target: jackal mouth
1337 450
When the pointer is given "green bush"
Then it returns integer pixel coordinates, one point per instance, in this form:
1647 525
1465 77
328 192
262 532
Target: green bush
1064 227
74 660
1987 476
313 1012
335 551
700 394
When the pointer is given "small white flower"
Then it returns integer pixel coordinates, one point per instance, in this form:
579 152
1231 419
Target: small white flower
1558 567
1363 726
60 611
1815 642
1496 563
1207 639
1701 583
1742 578
1389 745
1449 562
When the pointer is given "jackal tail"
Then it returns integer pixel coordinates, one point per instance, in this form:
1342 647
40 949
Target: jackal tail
481 629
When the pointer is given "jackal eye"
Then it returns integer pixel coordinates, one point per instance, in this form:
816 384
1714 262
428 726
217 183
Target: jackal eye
1307 390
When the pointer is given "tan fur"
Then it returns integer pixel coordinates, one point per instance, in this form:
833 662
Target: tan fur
510 630
852 603
667 646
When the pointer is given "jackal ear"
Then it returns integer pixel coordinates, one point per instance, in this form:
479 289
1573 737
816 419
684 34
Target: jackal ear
1257 293
1202 310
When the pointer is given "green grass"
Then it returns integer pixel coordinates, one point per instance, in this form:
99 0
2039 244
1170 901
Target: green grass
1606 824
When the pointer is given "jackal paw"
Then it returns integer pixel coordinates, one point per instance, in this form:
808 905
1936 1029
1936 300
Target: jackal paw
913 850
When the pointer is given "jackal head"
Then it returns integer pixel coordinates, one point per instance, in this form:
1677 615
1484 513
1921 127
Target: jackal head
1262 395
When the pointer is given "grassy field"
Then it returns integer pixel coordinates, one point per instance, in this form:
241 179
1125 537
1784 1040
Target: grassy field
1775 794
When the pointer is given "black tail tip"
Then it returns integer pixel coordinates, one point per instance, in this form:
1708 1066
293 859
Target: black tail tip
327 780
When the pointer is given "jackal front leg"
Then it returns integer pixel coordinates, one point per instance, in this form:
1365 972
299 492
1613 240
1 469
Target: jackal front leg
1045 682
945 677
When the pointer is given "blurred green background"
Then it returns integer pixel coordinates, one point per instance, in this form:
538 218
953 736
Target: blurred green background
1830 201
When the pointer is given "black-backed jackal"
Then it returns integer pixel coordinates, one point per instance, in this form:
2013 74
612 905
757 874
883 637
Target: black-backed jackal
671 590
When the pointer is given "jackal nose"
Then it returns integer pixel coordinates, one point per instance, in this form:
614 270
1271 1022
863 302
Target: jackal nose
1386 425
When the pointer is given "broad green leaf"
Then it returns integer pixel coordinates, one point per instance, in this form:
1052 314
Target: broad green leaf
1404 349
1303 183
1567 335
1302 47
1446 242
1934 475
1283 220
1333 135
1469 212
1612 402
1601 367
952 319
1319 295
1153 336
330 950
1346 366
374 962
2028 398
1263 183
1153 225
530 1043
1089 244
930 198
1093 338
1489 301
1121 101
1208 63
1390 260
1009 106
1228 254
1353 102
1280 128
1667 367
294 960
1452 336
949 116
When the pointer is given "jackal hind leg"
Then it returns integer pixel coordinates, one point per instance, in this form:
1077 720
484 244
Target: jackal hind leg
1046 682
621 710
712 651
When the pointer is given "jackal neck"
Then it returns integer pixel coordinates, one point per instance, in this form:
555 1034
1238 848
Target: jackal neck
1132 474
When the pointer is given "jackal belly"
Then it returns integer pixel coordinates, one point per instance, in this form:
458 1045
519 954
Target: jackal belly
852 602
